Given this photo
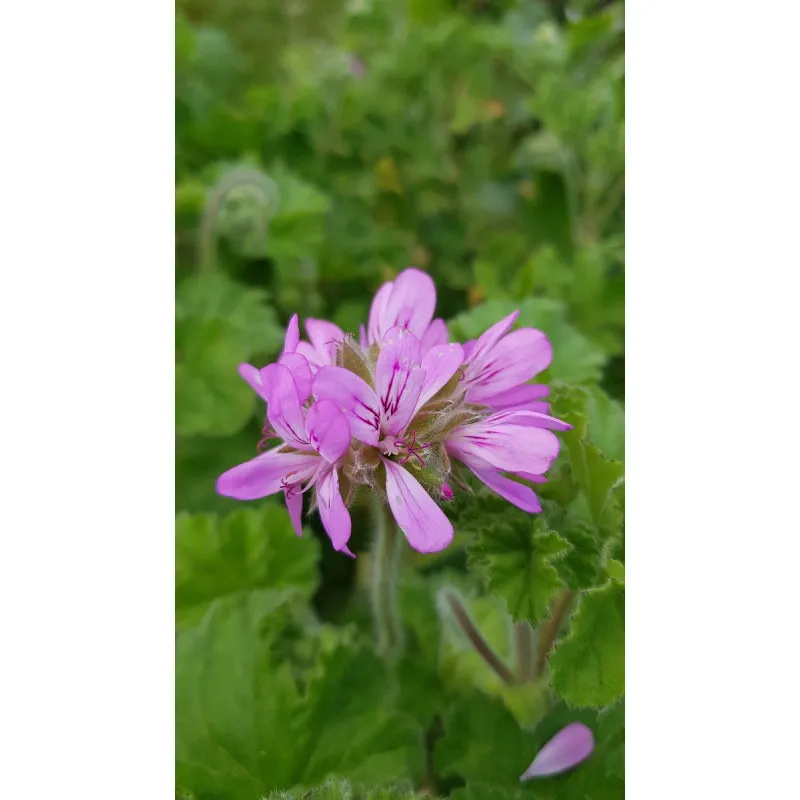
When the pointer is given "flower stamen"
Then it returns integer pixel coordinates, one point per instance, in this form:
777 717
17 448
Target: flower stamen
413 448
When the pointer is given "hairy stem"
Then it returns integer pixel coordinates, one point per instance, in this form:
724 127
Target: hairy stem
523 649
551 628
387 558
234 179
477 641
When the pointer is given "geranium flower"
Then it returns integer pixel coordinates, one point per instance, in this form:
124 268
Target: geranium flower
404 382
389 412
313 443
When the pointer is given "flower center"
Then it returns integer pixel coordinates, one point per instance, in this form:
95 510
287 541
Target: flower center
411 448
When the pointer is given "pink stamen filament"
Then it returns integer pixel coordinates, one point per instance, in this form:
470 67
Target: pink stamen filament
413 448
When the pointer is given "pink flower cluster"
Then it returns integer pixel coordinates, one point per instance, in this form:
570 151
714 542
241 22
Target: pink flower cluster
396 411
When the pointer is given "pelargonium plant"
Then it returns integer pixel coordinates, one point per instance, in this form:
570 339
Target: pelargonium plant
399 411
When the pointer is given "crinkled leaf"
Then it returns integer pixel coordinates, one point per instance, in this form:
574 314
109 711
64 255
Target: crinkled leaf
249 548
519 564
597 477
580 566
588 665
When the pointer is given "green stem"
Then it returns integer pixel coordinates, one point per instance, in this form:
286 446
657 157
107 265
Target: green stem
387 559
551 629
233 179
523 649
479 644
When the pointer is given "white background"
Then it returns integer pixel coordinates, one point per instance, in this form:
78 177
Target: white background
86 412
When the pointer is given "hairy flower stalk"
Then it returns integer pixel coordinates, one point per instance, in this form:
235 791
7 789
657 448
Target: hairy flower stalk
387 558
399 413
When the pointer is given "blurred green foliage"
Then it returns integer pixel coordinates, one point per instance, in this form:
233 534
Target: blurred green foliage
323 146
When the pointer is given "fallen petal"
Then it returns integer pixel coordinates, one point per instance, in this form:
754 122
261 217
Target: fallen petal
565 750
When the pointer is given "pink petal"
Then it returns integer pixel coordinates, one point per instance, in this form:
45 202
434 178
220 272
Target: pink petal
436 334
422 522
362 337
324 336
515 359
565 750
534 419
333 513
468 348
411 302
529 476
309 352
516 493
440 363
518 396
265 474
253 377
398 379
328 430
376 313
488 339
505 446
354 398
283 405
301 372
294 505
292 335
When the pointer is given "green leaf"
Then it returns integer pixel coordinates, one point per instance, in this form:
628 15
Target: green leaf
483 742
588 665
342 789
234 706
598 477
248 549
245 724
575 358
485 791
519 560
616 569
342 733
200 460
580 567
219 324
606 424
